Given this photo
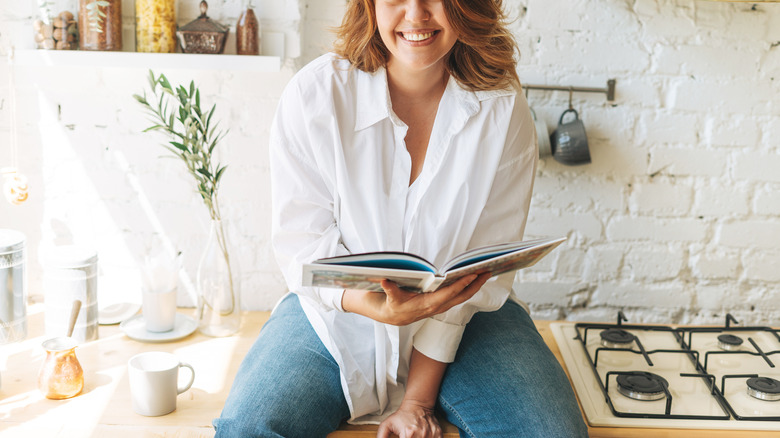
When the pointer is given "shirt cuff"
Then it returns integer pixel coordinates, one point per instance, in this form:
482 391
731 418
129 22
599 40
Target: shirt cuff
438 340
332 298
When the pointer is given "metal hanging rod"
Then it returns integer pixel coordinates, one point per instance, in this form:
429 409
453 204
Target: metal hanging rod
609 91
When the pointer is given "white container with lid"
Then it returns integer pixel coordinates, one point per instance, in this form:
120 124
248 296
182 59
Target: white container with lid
70 273
13 287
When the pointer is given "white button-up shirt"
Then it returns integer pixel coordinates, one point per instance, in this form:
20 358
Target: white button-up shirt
340 173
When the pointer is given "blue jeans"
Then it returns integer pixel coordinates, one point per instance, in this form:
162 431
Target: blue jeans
504 382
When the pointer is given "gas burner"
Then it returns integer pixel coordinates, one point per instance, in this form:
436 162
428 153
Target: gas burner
616 338
729 342
641 385
764 388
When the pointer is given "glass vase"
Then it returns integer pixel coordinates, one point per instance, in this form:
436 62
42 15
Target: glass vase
219 310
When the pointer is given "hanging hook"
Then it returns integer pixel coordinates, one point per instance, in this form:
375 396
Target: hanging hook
571 92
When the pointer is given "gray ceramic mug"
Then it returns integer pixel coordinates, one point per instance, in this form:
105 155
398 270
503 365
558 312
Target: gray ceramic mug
569 142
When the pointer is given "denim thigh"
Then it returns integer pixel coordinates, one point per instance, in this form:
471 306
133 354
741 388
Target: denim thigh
288 385
505 382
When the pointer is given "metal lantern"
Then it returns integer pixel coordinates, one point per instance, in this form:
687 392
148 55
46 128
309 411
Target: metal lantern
203 35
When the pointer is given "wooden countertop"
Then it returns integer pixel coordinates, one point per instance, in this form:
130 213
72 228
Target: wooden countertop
104 407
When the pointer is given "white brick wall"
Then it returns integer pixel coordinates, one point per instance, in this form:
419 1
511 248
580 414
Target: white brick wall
676 220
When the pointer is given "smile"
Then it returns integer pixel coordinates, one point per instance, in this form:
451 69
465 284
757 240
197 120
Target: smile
417 36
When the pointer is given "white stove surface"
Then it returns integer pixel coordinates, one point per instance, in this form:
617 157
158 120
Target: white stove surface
690 395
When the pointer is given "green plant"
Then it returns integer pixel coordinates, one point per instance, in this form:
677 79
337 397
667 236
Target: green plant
193 137
176 111
95 15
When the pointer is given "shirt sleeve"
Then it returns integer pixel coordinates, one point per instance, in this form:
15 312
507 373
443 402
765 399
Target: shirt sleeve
303 223
503 219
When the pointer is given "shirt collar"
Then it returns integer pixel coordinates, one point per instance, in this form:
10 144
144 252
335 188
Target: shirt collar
374 98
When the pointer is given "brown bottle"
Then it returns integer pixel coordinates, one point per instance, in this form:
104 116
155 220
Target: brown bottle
248 33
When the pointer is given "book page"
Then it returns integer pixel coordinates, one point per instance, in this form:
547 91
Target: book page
362 278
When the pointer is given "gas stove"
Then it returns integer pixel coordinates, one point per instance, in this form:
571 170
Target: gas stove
629 375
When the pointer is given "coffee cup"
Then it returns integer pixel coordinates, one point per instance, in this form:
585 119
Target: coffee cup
159 310
154 382
569 142
542 135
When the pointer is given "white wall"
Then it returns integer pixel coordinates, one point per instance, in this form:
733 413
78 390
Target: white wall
676 220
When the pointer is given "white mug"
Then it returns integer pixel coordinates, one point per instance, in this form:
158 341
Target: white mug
154 380
159 310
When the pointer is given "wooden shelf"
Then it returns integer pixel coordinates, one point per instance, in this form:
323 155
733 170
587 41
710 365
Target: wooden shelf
155 61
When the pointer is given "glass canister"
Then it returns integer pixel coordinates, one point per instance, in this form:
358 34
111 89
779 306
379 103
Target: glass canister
13 292
55 26
70 273
100 25
155 26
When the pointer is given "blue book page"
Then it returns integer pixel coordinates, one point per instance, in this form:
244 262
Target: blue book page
382 260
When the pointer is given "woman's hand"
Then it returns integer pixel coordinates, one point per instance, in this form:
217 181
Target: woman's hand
411 420
401 307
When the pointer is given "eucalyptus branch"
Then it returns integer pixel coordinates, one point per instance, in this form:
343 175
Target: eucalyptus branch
95 15
176 111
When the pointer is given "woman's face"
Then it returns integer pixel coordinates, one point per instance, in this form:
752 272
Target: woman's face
416 32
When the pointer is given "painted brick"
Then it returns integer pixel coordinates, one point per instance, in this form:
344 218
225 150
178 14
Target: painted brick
758 167
661 199
744 96
659 127
763 265
688 161
718 297
703 61
721 201
565 194
602 263
718 265
553 223
663 230
732 131
652 264
546 292
767 202
748 23
641 296
750 234
570 263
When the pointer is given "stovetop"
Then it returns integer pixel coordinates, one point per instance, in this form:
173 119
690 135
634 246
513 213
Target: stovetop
674 377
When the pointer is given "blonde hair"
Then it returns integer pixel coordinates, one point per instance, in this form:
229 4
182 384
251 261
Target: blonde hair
483 58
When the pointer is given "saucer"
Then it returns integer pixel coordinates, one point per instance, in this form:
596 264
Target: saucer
116 313
135 328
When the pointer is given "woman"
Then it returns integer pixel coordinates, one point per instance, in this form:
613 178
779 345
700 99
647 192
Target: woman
411 137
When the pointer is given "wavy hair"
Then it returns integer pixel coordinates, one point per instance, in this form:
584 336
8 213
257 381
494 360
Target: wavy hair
483 58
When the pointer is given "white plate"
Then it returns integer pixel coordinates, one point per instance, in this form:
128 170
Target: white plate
117 312
135 328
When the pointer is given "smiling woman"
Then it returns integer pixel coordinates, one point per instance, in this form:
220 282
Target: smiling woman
411 137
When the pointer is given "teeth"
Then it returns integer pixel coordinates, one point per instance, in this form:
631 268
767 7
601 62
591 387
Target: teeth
417 36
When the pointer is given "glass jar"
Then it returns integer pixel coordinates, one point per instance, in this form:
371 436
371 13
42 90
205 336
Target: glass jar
13 293
100 25
155 26
55 26
61 375
248 31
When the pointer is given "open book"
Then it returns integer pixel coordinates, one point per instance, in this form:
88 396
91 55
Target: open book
366 271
